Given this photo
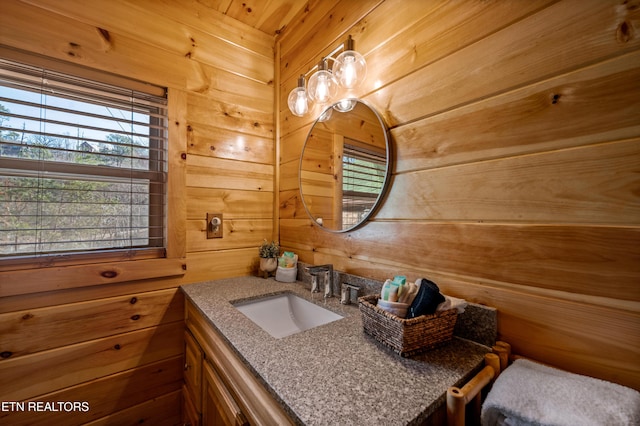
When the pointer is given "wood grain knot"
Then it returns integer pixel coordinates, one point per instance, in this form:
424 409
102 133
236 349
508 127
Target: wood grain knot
117 347
109 274
183 156
624 33
133 300
27 316
105 34
135 317
5 354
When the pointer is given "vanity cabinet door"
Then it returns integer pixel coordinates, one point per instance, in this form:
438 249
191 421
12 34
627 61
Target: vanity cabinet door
193 357
231 395
190 416
219 408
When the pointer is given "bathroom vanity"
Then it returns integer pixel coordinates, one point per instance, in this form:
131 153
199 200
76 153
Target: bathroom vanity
331 374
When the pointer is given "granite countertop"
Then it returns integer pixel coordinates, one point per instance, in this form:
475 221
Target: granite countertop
334 373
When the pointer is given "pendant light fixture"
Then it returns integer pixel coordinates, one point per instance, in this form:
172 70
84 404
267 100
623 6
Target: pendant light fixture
348 71
345 105
350 68
322 86
298 101
325 115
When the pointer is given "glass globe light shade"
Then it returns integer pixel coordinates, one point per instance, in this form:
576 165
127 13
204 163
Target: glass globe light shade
345 105
325 115
350 69
298 101
322 87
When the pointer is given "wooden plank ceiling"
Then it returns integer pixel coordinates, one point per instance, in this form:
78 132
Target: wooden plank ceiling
268 16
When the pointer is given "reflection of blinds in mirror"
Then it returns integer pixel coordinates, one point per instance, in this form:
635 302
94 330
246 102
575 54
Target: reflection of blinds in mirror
363 173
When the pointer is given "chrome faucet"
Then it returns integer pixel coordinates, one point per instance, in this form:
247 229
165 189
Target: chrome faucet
349 294
326 272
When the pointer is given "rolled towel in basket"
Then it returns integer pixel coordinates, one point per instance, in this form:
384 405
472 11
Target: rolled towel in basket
529 393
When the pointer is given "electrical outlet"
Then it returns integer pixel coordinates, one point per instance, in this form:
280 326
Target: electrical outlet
214 225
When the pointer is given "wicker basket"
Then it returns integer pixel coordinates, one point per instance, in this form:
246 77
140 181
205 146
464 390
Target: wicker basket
406 337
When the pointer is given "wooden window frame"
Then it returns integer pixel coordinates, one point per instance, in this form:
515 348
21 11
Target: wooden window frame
66 271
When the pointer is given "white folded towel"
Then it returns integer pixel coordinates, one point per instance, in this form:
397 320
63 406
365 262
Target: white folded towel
452 302
528 393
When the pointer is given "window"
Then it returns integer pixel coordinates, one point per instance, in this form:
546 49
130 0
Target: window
363 174
82 164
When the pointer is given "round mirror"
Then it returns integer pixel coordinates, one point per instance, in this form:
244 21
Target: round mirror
345 165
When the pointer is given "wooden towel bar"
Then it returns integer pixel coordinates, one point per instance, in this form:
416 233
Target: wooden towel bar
458 398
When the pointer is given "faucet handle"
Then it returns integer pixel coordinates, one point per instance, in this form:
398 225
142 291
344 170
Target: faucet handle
314 284
328 283
349 293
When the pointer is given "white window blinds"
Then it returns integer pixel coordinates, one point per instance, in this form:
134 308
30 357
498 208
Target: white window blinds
82 164
363 174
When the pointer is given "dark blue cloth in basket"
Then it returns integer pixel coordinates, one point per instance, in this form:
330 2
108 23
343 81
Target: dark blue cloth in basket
427 299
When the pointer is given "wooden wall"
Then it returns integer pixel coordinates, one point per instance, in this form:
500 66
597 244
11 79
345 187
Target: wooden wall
515 132
516 181
66 332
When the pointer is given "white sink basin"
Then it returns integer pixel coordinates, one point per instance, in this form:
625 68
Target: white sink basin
285 314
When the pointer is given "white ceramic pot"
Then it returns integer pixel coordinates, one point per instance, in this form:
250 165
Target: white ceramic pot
268 264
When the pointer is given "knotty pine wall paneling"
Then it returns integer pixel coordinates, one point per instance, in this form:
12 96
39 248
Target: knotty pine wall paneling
66 332
516 184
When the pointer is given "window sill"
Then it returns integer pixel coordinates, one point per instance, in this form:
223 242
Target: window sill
58 277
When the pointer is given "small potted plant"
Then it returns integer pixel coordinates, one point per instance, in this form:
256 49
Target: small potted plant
269 252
